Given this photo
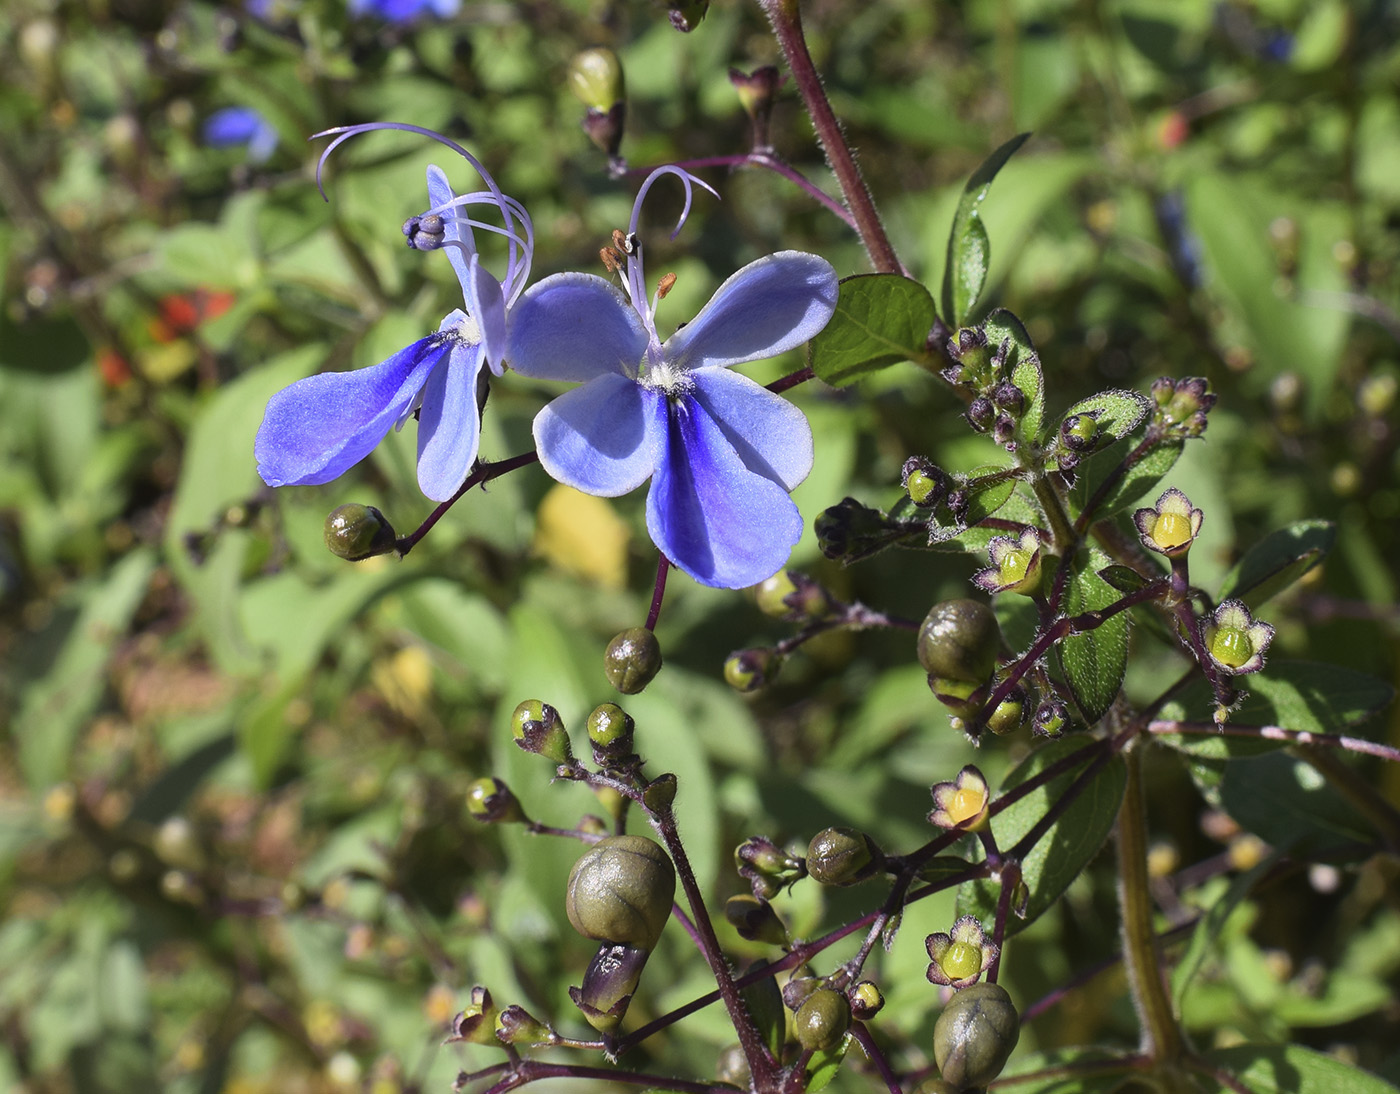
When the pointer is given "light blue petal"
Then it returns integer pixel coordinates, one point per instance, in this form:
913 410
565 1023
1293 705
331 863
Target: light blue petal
769 306
769 434
574 326
440 193
601 438
486 303
320 427
719 522
449 422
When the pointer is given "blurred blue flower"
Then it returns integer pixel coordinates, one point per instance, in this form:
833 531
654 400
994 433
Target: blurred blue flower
721 450
321 426
241 125
404 11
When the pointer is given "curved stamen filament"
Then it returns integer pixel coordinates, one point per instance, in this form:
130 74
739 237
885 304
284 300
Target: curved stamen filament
636 277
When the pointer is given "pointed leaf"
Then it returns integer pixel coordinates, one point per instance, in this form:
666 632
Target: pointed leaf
1094 662
1024 365
969 251
1289 1069
1278 560
880 320
1116 412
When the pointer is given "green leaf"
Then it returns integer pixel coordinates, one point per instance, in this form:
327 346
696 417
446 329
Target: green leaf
880 320
1208 927
1068 845
1117 413
1133 486
988 488
824 1065
1023 364
1290 1069
1285 802
1093 663
1278 560
969 251
1300 695
1100 1072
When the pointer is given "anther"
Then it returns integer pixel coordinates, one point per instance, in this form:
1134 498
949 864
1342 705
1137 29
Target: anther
664 286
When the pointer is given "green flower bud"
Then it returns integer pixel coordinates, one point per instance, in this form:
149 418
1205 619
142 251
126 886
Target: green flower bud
925 484
490 801
1010 714
960 640
755 920
658 794
595 77
975 1034
772 595
866 1000
686 15
822 1019
632 660
973 355
538 728
842 856
610 731
748 670
620 891
1079 432
766 867
357 532
517 1026
477 1022
1051 718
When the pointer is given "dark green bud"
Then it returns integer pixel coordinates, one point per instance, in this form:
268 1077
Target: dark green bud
620 891
960 640
538 728
490 801
822 1019
794 597
610 731
609 984
975 1035
866 1000
766 867
595 77
357 532
1010 713
1051 718
1010 398
755 920
748 670
980 413
632 660
1079 432
658 794
842 856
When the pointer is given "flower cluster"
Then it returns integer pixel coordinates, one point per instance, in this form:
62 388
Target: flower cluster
722 452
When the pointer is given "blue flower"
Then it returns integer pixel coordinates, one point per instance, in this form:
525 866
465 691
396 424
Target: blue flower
317 429
241 125
404 11
721 450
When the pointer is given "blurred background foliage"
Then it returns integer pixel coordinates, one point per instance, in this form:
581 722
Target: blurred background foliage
233 851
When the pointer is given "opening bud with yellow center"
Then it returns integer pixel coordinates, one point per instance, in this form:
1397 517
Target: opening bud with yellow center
962 803
538 728
1235 641
959 957
926 484
1171 526
490 801
477 1022
1015 565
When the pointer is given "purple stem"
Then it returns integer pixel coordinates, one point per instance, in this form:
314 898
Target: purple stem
532 1071
866 1040
792 379
1277 733
484 472
658 592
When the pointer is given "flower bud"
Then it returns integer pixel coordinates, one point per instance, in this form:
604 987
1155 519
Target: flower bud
980 413
755 920
1079 432
610 732
517 1026
357 532
632 660
975 1035
658 794
477 1022
772 595
973 355
822 1019
1010 398
959 957
686 15
866 1000
757 91
620 891
596 79
748 670
425 233
843 856
766 867
1235 641
1182 405
490 801
1010 714
794 597
925 484
960 640
1051 718
538 728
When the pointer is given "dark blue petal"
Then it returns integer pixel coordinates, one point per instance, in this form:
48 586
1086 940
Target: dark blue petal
718 521
320 427
769 434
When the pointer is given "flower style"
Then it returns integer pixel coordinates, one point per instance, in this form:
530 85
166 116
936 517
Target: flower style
1235 641
1015 565
321 426
241 125
1170 526
959 957
722 451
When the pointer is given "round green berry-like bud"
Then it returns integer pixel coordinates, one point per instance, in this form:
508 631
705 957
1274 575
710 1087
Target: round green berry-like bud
771 595
595 78
748 670
610 731
822 1019
960 640
842 856
357 532
1009 715
975 1034
632 660
925 484
620 892
490 801
962 960
1051 717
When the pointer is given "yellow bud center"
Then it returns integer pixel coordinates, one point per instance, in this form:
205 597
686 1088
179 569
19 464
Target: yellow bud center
1171 530
1014 566
962 960
966 804
1231 646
